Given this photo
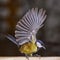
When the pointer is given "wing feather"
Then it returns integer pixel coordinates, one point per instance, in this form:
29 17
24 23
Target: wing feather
29 25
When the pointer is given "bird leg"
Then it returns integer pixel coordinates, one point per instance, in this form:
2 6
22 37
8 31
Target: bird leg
27 56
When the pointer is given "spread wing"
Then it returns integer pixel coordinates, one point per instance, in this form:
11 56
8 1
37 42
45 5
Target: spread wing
29 25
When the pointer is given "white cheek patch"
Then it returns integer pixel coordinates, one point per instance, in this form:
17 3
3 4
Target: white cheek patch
39 45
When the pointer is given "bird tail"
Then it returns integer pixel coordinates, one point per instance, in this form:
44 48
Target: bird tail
11 38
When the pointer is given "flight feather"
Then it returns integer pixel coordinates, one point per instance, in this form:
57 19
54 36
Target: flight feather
30 23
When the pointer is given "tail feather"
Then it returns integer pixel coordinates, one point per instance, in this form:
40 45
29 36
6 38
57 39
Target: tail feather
11 38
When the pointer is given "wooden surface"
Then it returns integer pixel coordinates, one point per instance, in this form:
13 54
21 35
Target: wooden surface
30 58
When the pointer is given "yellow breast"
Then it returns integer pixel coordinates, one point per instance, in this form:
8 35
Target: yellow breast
28 48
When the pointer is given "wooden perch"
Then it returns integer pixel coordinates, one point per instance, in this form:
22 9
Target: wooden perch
30 58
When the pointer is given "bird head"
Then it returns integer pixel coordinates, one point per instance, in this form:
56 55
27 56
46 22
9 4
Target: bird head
40 44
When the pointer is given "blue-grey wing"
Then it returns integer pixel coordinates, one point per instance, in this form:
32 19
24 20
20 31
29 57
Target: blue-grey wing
29 25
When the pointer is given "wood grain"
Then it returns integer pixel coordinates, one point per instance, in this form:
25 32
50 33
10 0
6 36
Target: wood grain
30 58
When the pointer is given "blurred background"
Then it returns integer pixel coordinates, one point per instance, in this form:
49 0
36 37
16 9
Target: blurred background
11 11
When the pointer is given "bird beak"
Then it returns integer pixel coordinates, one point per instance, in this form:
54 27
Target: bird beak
44 47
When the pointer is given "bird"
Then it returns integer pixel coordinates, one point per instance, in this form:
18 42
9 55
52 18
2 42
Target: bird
26 30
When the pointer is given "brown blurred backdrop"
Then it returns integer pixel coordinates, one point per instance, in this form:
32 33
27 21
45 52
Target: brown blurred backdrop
10 13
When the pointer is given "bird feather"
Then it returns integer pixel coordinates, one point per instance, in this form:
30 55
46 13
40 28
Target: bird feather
29 25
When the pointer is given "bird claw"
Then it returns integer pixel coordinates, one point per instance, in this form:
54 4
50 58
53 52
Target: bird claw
36 55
